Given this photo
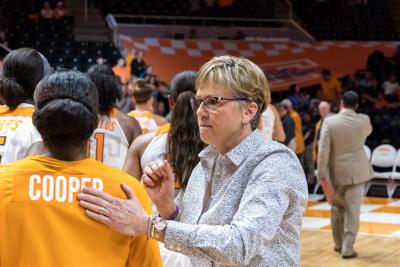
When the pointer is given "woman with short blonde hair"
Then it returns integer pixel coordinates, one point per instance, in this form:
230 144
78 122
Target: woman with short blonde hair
244 201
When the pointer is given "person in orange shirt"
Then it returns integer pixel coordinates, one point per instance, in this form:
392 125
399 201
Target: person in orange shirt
41 223
144 111
331 88
122 71
298 128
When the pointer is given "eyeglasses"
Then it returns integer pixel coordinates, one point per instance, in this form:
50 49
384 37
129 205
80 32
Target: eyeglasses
212 102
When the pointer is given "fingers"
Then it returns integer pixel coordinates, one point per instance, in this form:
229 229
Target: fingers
147 181
98 193
100 210
94 200
128 191
157 168
167 169
98 217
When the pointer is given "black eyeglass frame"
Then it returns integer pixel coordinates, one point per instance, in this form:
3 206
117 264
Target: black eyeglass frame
195 106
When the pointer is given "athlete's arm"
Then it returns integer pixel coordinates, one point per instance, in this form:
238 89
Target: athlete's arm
135 152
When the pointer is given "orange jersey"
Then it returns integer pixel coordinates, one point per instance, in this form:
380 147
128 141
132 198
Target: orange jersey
41 223
146 120
17 133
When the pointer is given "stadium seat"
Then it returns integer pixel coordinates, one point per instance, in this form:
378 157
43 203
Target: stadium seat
383 160
395 175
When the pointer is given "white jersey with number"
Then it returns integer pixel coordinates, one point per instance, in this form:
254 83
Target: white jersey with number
17 133
108 142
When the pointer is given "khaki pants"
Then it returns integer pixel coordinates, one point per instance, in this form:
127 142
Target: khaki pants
345 216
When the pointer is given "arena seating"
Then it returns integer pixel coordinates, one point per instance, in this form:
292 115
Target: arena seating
328 21
240 8
53 38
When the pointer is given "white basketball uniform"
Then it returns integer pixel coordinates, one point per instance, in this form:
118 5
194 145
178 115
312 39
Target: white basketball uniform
156 150
267 124
145 119
17 133
108 142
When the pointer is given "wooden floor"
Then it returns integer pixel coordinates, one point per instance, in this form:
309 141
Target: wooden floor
373 251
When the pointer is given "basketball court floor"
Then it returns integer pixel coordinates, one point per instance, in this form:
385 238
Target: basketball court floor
378 243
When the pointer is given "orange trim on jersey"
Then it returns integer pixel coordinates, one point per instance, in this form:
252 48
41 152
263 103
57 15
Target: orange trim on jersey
163 129
2 140
19 111
113 113
141 114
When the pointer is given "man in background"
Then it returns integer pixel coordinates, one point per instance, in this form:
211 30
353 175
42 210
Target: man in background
341 153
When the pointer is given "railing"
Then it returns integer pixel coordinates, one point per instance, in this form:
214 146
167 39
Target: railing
203 21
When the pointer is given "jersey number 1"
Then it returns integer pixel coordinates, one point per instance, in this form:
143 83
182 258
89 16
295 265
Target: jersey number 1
99 146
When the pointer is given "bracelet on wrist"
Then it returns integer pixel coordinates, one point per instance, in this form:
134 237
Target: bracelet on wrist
173 216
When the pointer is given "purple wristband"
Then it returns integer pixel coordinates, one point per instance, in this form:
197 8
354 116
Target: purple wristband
173 215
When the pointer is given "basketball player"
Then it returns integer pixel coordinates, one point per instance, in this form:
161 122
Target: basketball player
41 223
143 113
115 131
22 70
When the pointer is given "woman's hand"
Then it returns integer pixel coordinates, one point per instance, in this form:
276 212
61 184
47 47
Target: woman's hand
122 215
159 183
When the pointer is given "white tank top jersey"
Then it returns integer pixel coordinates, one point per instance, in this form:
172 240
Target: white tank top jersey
145 119
108 143
17 133
267 124
155 150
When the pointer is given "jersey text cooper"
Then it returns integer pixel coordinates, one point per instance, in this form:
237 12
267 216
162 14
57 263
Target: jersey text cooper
59 188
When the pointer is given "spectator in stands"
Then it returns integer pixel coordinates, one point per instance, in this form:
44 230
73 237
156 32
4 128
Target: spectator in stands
138 66
368 79
100 60
46 12
298 128
370 94
244 202
121 71
390 86
60 11
331 88
192 34
299 100
288 126
381 102
341 157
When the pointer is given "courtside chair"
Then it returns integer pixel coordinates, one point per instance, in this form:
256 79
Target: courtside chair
395 175
382 161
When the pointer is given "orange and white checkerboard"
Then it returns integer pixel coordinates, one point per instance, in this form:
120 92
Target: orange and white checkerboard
379 216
